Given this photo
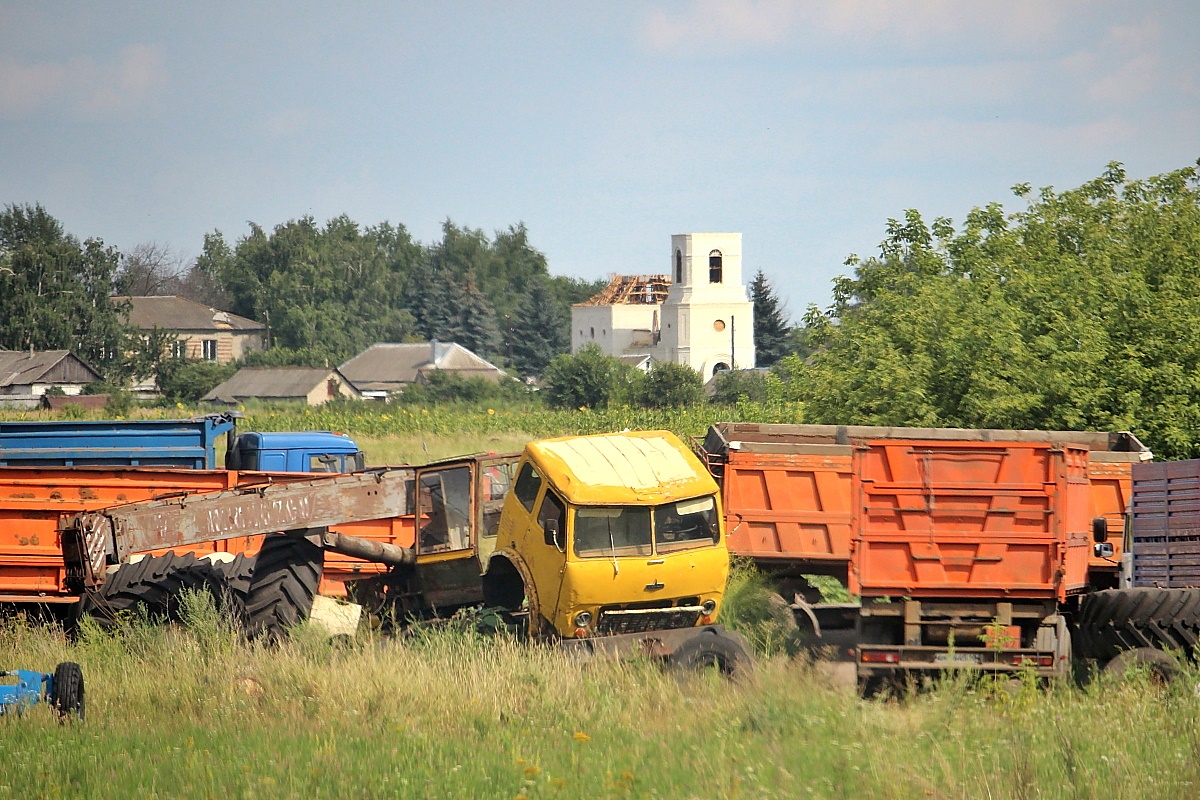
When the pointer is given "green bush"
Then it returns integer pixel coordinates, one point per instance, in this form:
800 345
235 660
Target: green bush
740 385
589 379
186 380
670 385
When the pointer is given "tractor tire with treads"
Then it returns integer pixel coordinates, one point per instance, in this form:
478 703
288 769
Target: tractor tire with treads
1115 621
155 584
286 577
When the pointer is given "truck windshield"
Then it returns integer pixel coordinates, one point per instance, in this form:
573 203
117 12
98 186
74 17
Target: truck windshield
627 531
686 524
615 530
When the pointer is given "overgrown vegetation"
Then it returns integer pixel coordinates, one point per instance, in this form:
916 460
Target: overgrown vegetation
194 712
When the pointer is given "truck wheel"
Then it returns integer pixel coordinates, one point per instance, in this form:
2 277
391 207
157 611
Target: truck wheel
286 577
67 694
712 650
155 584
1161 666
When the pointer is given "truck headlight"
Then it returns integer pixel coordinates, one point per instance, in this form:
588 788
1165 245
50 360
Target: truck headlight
583 619
708 607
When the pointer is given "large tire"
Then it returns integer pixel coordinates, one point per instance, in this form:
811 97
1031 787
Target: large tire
286 577
1162 666
155 584
711 649
67 694
1114 621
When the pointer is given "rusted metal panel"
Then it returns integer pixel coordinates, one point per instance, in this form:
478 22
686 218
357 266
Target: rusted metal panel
1165 524
310 503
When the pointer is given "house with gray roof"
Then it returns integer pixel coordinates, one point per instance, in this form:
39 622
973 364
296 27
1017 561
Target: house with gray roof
26 375
283 385
384 369
201 331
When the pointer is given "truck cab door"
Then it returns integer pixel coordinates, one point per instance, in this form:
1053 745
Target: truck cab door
548 545
447 572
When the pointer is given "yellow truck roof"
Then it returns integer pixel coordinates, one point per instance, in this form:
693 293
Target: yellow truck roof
621 468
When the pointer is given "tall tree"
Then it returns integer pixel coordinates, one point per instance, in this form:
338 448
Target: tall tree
150 269
771 330
54 291
1079 311
541 330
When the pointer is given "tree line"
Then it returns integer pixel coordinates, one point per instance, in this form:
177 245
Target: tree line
324 292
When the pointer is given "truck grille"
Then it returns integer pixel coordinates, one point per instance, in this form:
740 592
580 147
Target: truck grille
640 620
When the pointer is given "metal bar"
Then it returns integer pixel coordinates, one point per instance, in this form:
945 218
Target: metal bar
315 503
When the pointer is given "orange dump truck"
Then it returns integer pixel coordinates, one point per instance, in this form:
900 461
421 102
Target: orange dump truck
34 501
967 547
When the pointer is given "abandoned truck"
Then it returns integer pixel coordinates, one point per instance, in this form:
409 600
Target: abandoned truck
610 545
968 548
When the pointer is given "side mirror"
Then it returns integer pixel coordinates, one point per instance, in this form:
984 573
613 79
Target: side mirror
550 530
1103 550
1099 530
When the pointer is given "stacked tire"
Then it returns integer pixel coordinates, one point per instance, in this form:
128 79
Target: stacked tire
1117 621
266 594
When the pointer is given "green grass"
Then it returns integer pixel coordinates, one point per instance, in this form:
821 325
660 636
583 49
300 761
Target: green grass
195 712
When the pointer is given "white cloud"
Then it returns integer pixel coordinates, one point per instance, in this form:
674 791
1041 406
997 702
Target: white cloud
82 85
139 71
739 23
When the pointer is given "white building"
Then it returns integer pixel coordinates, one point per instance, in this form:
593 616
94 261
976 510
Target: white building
699 314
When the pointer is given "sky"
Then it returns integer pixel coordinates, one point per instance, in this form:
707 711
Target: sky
603 127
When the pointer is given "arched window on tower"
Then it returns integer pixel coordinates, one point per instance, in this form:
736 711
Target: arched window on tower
678 266
714 266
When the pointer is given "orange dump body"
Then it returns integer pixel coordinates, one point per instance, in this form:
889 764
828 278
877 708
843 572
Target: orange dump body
795 499
33 499
970 519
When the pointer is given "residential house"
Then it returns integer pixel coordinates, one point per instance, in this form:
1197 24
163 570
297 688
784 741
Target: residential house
384 369
201 331
284 384
26 375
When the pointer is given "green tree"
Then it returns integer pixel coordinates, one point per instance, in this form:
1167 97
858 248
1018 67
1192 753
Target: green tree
1079 311
54 291
186 380
588 379
771 330
671 385
541 331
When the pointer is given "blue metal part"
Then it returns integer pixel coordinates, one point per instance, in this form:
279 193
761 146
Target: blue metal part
303 451
29 688
180 443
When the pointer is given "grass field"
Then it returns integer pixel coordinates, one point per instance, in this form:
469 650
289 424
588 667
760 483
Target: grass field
195 712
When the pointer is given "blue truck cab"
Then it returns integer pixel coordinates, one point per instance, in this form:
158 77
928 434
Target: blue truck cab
306 451
173 443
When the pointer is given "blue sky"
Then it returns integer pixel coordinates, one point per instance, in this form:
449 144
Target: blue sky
604 127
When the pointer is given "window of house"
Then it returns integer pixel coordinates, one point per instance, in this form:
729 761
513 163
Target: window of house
678 266
208 349
179 348
714 266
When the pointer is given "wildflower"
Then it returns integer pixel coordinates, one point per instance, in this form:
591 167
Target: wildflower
179 405
532 772
521 762
424 410
580 736
384 417
558 783
491 411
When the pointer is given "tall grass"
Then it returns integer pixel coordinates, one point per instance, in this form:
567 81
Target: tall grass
193 711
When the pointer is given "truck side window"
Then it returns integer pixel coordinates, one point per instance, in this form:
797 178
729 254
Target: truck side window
528 484
553 509
445 508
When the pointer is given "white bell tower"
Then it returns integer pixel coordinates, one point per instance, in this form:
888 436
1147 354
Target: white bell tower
707 317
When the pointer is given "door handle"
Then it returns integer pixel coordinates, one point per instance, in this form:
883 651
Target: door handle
654 587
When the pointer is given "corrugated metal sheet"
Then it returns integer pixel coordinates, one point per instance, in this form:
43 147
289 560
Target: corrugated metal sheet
172 313
390 366
273 383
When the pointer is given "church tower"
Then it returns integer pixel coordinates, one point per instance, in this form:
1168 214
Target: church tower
707 317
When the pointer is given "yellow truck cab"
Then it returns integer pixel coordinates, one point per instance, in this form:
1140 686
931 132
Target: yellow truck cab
614 536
